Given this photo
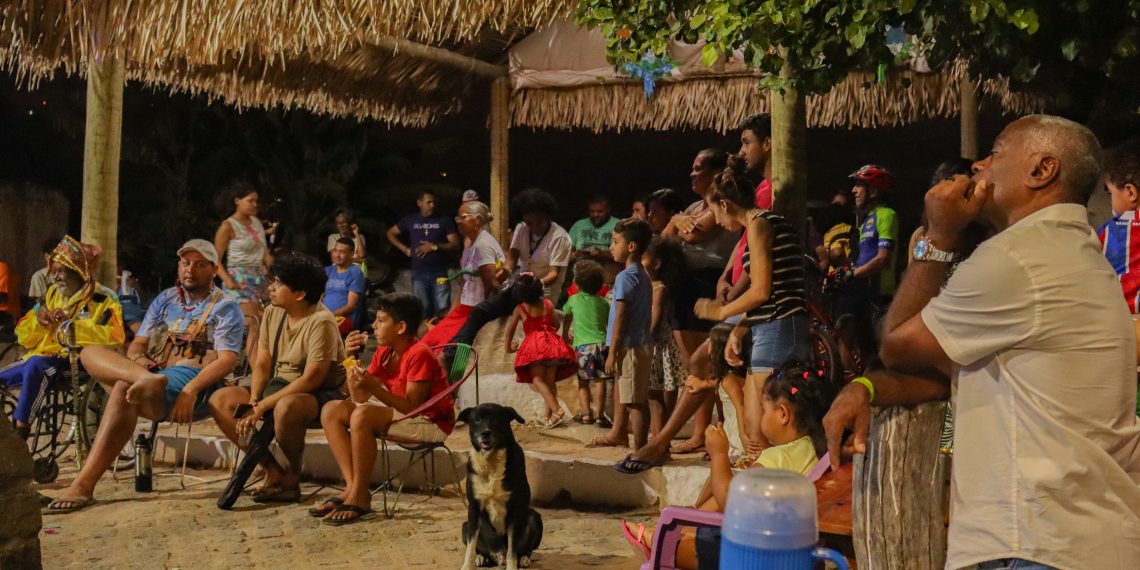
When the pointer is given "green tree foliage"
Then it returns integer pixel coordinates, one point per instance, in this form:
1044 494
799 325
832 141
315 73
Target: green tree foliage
1043 43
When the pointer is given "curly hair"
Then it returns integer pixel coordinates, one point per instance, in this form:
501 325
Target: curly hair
534 201
589 276
1121 164
733 186
671 256
300 272
809 395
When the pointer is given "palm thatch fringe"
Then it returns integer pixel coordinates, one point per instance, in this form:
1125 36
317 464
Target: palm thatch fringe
722 103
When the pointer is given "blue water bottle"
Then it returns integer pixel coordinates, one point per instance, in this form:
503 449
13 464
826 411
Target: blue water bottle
770 523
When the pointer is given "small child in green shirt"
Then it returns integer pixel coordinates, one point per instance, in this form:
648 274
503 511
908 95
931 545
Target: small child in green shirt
584 328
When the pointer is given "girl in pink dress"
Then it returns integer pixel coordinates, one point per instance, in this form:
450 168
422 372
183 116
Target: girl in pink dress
543 357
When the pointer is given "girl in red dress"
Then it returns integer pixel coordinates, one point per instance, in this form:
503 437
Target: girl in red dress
543 357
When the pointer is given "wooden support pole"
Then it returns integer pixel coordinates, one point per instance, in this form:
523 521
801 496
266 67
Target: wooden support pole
969 115
500 156
442 56
897 513
100 216
789 150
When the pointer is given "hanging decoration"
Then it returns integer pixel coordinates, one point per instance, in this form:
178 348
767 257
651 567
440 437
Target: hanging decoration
649 69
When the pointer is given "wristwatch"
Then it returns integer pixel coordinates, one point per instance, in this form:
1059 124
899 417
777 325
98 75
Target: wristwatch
925 250
434 247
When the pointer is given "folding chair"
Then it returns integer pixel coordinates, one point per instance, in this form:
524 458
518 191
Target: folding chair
674 519
464 364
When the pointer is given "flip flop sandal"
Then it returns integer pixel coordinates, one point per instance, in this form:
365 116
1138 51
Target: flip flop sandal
631 466
278 495
601 441
76 505
635 541
686 446
360 514
326 507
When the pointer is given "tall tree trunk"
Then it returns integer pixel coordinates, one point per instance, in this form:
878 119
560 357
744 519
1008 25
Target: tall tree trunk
500 156
100 217
789 152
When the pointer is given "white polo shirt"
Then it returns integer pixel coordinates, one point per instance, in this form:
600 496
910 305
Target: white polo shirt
1046 440
553 250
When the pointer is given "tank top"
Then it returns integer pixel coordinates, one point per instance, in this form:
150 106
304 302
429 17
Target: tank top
787 296
247 247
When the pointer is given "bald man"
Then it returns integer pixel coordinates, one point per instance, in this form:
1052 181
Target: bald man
1031 329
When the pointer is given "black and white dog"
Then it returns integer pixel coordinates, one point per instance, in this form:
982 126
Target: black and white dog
501 527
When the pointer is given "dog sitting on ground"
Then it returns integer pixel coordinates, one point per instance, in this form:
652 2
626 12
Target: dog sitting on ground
501 527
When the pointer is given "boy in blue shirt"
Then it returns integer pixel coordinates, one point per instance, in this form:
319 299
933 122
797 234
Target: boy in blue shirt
344 292
628 337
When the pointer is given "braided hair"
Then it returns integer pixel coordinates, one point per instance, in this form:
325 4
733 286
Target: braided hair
809 395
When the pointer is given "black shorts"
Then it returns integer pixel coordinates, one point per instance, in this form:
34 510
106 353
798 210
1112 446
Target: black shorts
708 548
697 284
322 395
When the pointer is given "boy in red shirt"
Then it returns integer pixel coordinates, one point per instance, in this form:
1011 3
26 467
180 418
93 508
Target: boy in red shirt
402 376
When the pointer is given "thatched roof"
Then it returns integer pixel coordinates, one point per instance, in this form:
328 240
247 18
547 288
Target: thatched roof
722 103
320 55
336 57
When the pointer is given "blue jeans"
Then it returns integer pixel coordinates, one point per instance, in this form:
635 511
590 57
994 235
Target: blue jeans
436 297
29 374
775 342
1013 564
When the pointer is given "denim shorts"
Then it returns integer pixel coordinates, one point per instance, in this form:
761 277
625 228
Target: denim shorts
1013 564
775 342
177 377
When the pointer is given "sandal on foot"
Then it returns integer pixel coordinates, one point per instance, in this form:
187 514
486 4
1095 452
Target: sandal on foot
686 446
584 418
277 495
56 507
631 466
358 514
636 541
555 420
603 422
744 461
601 441
326 507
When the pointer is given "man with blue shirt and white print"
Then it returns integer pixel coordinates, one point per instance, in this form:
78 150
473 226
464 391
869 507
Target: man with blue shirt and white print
198 332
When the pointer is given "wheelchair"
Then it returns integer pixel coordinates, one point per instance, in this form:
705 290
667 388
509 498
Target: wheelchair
66 413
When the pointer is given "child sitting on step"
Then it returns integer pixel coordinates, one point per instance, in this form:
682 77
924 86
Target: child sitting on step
794 399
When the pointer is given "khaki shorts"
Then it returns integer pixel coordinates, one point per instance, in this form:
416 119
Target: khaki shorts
418 428
632 377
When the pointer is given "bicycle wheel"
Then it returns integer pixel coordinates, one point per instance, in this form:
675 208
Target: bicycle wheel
825 355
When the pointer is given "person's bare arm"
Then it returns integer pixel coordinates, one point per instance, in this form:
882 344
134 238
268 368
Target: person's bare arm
393 238
875 266
760 238
417 393
615 341
567 321
488 275
512 324
701 228
453 243
348 308
512 260
222 241
655 309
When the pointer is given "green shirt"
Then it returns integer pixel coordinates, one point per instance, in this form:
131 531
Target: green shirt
590 315
584 234
798 456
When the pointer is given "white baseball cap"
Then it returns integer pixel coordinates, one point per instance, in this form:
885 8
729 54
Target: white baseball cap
201 246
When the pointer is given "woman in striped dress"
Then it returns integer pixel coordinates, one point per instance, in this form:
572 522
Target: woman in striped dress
772 307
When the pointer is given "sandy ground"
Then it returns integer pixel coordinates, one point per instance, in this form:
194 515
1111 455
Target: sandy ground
176 528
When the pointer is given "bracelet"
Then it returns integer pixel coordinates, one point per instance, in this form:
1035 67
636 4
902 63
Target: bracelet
866 383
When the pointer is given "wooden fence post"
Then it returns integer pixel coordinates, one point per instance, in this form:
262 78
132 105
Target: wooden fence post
500 156
897 518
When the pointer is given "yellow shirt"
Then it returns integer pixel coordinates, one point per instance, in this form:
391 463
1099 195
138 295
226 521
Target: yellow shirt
798 456
838 236
99 321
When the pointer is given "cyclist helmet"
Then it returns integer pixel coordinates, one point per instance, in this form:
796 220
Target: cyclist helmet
875 176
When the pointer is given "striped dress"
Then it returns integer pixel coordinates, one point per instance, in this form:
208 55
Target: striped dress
787 298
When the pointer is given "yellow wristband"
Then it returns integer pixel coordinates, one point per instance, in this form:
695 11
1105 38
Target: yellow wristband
866 382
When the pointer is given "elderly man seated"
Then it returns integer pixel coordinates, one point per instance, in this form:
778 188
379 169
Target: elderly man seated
73 295
198 332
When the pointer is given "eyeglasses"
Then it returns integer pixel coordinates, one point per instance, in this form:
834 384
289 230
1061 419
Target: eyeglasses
462 217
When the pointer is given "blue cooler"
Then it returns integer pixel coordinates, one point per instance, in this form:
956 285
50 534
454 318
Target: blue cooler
770 523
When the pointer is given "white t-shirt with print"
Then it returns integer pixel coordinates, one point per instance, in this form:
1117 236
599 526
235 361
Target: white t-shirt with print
553 250
483 251
1046 439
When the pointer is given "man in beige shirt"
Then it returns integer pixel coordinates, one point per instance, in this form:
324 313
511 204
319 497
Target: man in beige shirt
1033 332
296 370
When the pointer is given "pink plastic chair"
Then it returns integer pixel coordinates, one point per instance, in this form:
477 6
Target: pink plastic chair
674 519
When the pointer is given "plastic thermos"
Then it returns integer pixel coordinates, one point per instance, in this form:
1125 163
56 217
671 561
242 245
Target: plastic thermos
770 523
144 482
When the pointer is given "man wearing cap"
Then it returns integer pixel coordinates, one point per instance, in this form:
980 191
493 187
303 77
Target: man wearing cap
72 296
198 334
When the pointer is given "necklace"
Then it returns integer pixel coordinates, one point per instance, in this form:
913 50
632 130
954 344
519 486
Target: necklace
183 298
